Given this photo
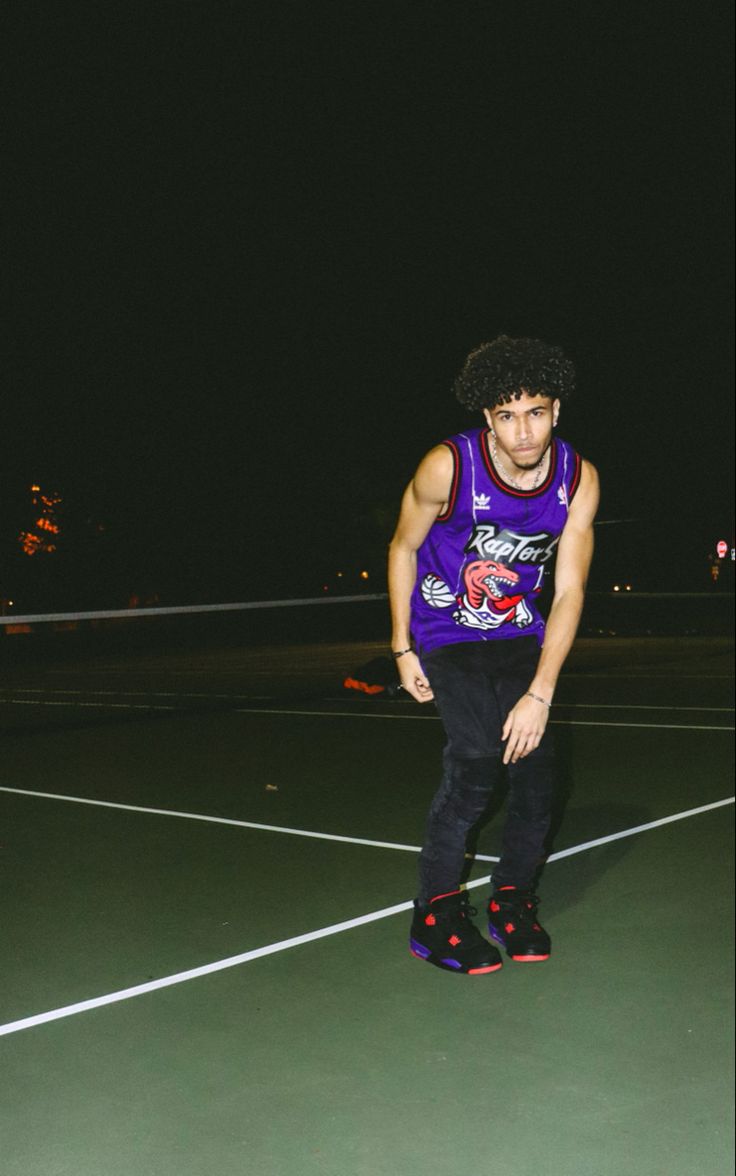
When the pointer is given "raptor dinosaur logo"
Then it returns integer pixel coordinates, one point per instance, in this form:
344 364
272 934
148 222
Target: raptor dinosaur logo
488 600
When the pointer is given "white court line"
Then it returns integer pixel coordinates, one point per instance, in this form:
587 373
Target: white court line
127 614
245 697
263 710
646 726
97 705
96 1002
637 706
134 693
629 677
703 808
331 714
158 812
310 936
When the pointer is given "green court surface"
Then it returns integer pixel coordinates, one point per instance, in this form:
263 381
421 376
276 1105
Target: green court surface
209 858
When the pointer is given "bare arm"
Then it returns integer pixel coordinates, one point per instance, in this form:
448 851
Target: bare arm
423 501
526 722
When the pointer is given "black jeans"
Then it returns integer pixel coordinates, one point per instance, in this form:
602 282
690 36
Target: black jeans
475 686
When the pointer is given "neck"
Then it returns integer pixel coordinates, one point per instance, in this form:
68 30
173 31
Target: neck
522 477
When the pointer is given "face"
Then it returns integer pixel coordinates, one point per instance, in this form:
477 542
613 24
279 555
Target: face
523 428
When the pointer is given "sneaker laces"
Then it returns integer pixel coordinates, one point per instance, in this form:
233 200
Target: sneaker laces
466 910
523 906
467 930
456 922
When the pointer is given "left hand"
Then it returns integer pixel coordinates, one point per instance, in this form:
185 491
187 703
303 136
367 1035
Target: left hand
524 727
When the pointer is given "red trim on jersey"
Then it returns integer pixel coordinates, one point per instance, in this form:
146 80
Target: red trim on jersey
575 477
442 518
486 451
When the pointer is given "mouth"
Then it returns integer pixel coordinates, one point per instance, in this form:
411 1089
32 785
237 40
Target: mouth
493 584
528 457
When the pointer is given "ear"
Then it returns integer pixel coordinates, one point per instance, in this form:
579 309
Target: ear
555 412
489 418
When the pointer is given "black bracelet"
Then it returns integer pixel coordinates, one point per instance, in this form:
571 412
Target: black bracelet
400 652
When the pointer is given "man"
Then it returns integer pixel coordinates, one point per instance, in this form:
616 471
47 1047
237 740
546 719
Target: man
480 523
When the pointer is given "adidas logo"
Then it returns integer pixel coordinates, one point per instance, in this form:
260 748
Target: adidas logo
481 501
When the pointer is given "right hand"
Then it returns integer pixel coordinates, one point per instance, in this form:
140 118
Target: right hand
413 678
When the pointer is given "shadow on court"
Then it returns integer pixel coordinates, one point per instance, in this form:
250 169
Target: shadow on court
588 820
344 1056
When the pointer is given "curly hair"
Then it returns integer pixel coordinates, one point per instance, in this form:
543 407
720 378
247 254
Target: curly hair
504 369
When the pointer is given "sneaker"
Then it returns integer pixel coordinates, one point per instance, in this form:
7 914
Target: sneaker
512 922
443 934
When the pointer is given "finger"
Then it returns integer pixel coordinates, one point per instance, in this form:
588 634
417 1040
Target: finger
520 747
420 689
510 750
528 745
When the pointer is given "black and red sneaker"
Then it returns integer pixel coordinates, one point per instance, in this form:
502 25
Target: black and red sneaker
442 934
512 922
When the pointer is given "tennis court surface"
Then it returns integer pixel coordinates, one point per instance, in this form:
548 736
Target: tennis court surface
209 856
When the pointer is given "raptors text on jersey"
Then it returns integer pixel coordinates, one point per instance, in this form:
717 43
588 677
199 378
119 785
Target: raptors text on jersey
483 563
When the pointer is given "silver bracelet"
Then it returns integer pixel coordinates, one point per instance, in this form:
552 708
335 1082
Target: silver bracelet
537 698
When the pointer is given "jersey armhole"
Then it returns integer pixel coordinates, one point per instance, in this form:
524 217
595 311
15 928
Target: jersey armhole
446 514
575 480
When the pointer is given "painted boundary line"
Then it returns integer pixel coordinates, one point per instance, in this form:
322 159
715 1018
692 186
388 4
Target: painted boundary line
703 808
207 695
129 614
247 605
145 706
159 812
310 936
97 1002
257 710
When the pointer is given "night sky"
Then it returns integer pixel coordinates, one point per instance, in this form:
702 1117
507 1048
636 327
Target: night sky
251 244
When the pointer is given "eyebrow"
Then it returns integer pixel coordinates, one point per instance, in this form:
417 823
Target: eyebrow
507 408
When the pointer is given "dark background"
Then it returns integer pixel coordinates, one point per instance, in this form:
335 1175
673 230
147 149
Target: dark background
249 246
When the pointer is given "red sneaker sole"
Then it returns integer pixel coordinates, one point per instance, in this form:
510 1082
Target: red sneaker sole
445 968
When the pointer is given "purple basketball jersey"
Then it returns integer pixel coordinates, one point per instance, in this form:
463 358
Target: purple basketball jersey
483 563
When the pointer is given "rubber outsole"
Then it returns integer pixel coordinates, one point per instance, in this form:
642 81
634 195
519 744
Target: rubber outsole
420 952
520 959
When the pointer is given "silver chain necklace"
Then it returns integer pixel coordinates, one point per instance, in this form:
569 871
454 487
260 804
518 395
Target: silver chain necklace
507 476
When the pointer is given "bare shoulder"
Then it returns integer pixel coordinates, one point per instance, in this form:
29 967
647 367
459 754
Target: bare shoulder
576 542
424 499
433 478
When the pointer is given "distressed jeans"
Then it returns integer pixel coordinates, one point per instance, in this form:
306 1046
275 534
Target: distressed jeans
475 684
